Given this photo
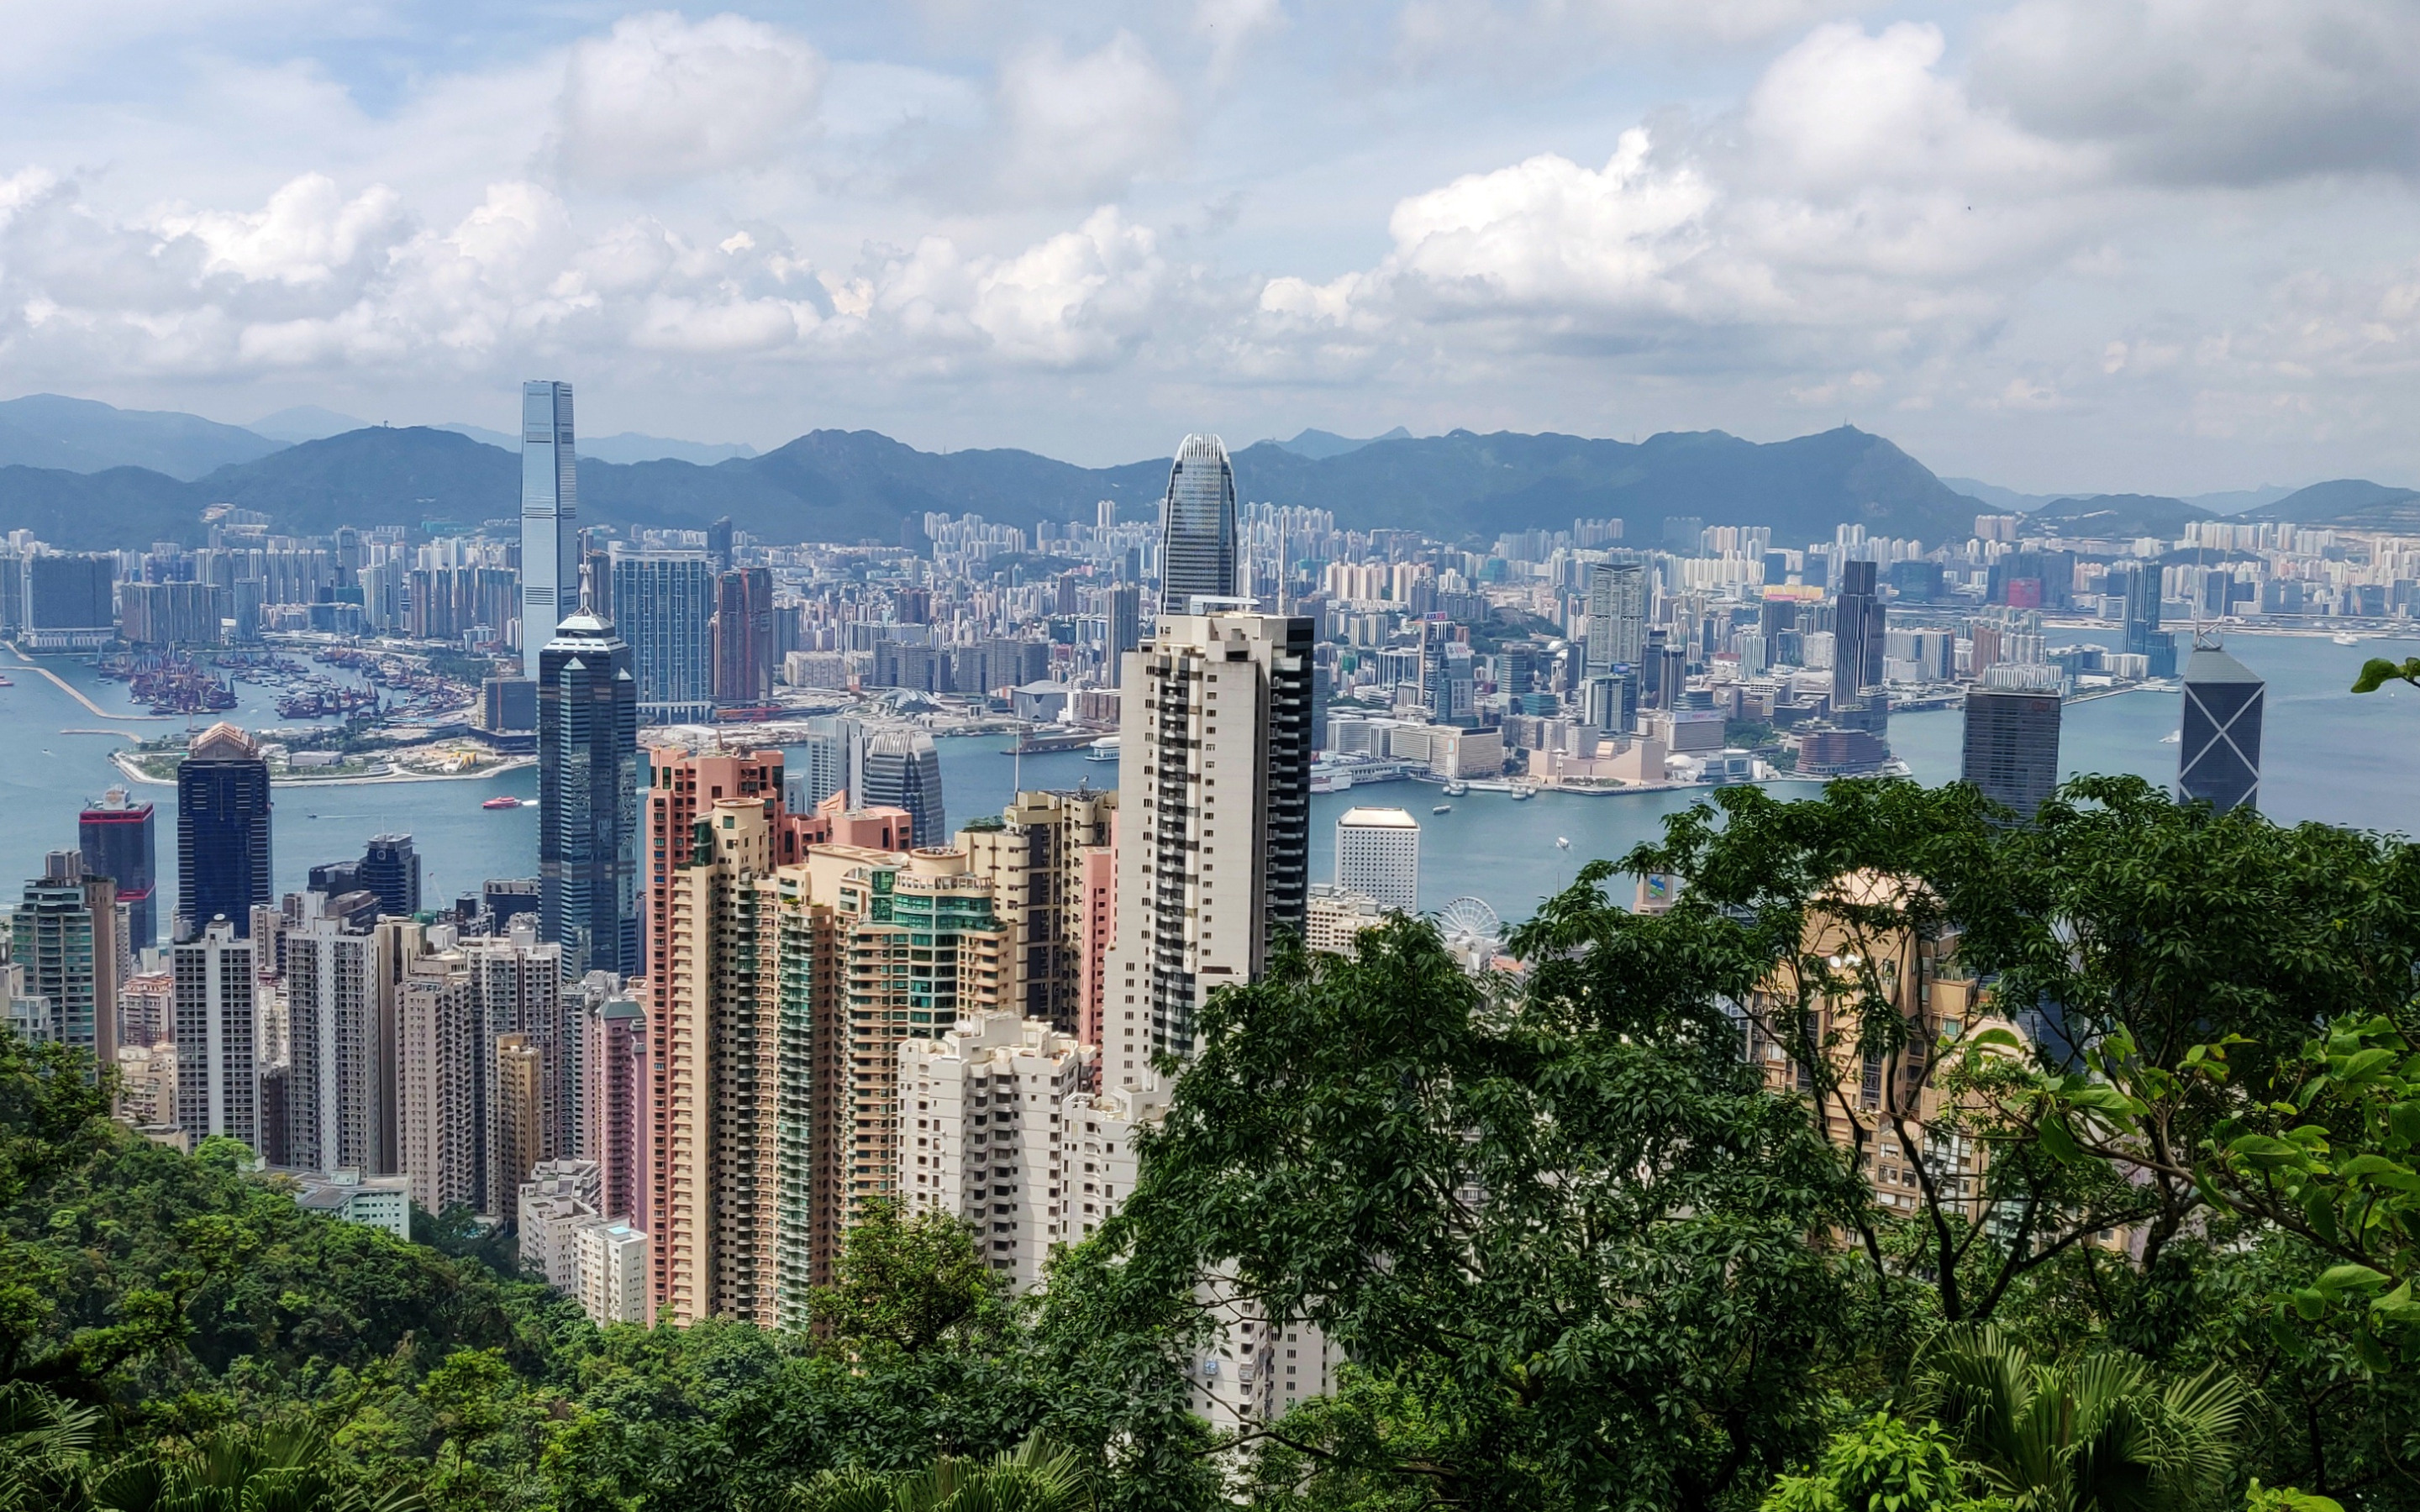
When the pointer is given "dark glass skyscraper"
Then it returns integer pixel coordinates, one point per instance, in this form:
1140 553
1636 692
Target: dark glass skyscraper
2220 761
1124 605
390 867
549 517
2143 637
2013 745
116 837
222 832
743 636
588 797
1857 638
1197 527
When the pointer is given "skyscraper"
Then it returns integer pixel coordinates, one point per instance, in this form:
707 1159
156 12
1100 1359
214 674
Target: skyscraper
743 636
1616 610
341 1072
1123 602
614 1105
1219 699
1857 633
64 935
663 605
1197 527
717 544
549 519
2219 762
116 837
2143 637
588 797
390 867
217 1064
1034 857
2013 745
896 766
223 805
1378 856
822 764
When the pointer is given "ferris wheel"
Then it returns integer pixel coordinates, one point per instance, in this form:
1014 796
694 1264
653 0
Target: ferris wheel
1470 918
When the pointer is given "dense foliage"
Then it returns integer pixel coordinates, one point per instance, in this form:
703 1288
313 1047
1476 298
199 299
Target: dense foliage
1580 1250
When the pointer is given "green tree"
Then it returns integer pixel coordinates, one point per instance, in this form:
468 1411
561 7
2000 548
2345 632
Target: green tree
1035 1477
239 1468
909 1284
1566 1229
2098 1435
1885 1464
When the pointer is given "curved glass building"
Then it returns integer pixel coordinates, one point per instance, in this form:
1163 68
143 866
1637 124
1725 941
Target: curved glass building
1197 527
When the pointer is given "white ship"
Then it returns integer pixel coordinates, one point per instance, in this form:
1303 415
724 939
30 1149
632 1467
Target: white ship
1103 749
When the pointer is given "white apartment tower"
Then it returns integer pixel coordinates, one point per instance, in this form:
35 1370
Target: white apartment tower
1214 823
1378 856
980 1110
217 1064
340 1019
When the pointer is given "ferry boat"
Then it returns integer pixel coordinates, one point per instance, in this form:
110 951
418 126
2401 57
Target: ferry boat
1455 789
503 800
1442 808
1103 749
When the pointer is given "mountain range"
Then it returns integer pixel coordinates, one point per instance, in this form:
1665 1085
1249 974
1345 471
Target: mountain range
81 474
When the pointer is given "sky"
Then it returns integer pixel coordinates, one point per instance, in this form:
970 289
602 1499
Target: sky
2162 246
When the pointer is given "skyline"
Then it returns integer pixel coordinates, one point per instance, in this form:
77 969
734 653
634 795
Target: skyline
2176 276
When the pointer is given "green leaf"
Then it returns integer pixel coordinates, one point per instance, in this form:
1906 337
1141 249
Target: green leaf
2057 1143
2266 1152
2338 1279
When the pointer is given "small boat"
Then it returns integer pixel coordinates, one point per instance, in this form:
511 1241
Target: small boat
1523 795
2174 737
1442 808
1455 789
503 800
2345 637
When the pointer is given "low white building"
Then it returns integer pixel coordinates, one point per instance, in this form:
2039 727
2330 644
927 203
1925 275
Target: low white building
1334 916
374 1201
560 1198
610 1272
981 1110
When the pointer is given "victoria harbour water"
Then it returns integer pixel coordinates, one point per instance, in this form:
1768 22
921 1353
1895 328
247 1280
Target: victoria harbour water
2328 755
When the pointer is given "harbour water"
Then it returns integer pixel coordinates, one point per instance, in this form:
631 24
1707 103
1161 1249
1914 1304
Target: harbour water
2328 755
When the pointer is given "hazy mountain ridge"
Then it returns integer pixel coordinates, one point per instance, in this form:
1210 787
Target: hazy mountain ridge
858 485
863 485
51 430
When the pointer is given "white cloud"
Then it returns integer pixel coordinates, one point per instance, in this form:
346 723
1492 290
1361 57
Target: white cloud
1081 130
663 99
2214 92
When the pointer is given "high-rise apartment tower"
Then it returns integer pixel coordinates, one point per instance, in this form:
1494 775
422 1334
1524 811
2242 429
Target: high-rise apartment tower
1214 816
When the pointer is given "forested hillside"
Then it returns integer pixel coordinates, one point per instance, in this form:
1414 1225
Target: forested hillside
2138 1231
